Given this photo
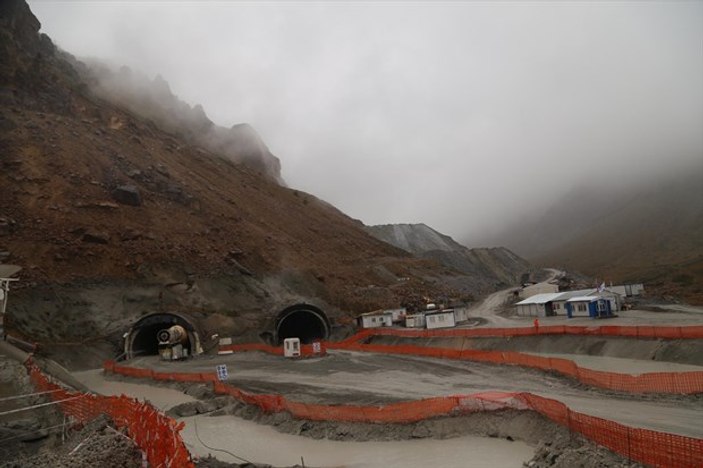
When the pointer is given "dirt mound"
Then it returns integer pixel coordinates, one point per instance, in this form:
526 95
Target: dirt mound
96 444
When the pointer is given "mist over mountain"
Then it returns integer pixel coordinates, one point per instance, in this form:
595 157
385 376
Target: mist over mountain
462 115
486 269
649 232
114 212
154 100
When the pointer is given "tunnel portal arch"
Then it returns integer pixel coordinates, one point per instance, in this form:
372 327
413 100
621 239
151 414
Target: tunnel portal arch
141 339
304 321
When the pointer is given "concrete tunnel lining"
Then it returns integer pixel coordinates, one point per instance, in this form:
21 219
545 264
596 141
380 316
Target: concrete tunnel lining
303 321
142 339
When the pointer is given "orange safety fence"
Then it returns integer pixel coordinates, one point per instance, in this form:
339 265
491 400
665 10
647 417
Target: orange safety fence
306 350
652 382
685 383
154 433
646 446
638 331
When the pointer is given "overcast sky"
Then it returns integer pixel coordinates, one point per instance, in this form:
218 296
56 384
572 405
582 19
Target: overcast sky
461 115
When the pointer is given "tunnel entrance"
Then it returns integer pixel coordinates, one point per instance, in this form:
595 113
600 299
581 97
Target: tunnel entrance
303 321
142 338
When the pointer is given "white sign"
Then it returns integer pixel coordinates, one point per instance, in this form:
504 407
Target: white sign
222 372
316 347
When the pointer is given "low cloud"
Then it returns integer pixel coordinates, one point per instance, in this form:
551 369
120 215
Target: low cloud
459 115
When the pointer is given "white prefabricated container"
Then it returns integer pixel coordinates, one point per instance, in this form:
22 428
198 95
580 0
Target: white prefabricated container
376 319
440 319
415 321
461 314
291 347
398 315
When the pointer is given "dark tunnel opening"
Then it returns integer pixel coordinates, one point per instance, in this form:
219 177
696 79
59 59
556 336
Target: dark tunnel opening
308 324
144 341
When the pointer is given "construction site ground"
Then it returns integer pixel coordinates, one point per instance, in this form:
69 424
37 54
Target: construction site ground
236 433
345 377
361 378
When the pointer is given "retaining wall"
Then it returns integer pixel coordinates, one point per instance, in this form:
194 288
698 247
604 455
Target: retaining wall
638 331
306 350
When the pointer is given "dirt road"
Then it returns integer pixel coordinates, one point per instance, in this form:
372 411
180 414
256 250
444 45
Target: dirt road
488 309
491 305
367 378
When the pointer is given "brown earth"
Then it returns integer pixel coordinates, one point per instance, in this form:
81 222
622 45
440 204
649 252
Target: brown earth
112 217
37 437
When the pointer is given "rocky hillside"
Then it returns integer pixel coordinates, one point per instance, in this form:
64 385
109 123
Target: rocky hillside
486 269
112 216
153 101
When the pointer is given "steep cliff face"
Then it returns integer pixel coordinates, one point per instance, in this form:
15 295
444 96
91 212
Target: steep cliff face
112 216
485 269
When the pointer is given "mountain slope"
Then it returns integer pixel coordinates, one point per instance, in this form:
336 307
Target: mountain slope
486 269
111 216
650 233
154 101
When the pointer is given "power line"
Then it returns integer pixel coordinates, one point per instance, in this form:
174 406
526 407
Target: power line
195 424
27 408
27 395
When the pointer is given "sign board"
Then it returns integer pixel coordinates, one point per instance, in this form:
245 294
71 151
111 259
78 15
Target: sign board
316 347
222 372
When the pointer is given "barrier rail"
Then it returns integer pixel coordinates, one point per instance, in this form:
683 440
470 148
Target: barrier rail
155 434
635 331
653 382
685 383
642 445
306 350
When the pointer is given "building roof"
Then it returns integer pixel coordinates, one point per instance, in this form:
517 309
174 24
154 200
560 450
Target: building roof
439 312
6 271
584 299
581 294
540 298
565 295
375 313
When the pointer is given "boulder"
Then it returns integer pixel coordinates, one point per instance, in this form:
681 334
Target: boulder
96 237
127 195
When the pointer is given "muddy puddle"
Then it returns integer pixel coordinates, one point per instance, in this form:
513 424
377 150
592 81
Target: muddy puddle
263 444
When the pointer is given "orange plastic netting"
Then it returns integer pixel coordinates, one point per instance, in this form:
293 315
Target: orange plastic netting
155 434
643 445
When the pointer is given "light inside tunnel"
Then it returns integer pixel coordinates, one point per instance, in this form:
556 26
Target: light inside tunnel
143 338
304 322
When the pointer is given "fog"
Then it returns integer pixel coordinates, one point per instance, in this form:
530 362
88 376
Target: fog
461 115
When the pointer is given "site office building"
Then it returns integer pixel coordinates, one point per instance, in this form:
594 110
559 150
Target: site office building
375 319
549 304
440 319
